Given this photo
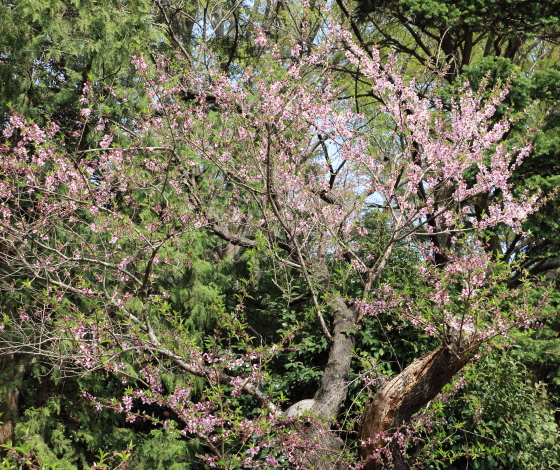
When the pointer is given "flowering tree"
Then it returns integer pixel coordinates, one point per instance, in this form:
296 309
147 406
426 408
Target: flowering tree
319 197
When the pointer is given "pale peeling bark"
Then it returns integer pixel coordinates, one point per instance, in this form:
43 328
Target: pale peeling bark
403 396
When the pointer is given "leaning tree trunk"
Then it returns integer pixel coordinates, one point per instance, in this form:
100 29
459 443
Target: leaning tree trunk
400 398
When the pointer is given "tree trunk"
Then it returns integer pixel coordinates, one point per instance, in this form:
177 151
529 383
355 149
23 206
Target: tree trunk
12 374
400 398
334 385
323 449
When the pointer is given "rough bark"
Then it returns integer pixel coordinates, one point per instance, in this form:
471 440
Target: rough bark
320 449
334 385
400 398
9 410
323 450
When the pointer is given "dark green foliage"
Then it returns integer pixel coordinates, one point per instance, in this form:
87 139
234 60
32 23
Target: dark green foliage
49 49
500 16
500 420
65 430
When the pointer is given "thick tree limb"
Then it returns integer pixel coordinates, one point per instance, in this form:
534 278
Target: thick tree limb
402 397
